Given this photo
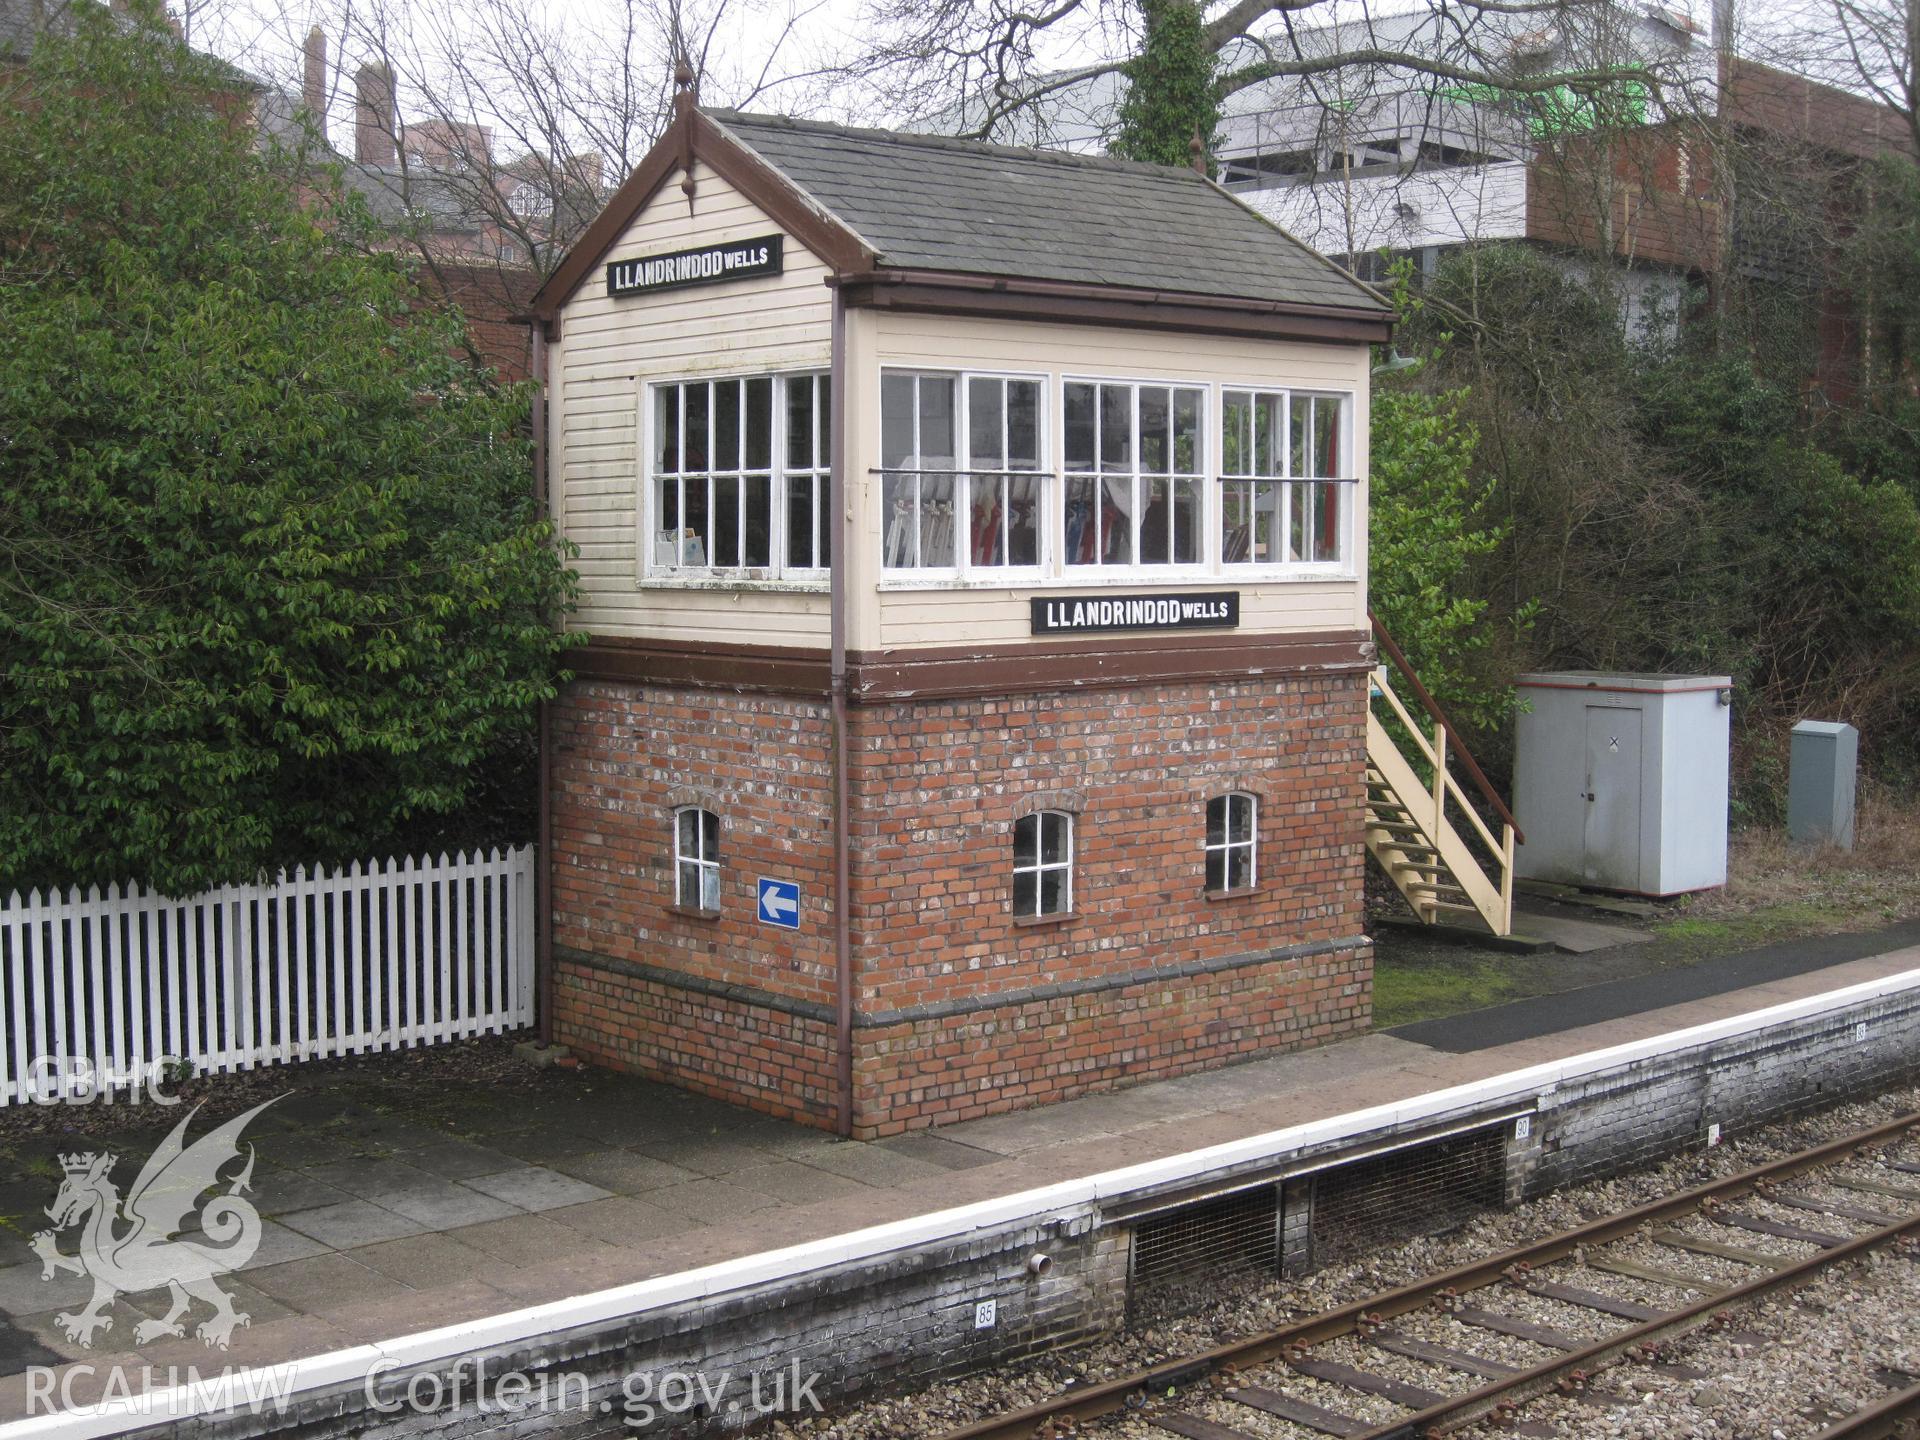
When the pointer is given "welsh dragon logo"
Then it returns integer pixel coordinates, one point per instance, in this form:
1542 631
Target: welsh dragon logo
131 1245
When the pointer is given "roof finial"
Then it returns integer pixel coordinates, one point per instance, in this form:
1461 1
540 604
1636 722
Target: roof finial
686 104
1197 151
686 85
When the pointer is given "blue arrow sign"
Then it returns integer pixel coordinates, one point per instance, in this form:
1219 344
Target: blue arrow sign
780 903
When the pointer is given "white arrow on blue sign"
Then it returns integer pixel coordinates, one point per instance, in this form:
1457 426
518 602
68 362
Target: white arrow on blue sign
780 903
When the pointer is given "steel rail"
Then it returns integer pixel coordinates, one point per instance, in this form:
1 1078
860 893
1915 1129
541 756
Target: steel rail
1459 1411
1126 1392
1895 1417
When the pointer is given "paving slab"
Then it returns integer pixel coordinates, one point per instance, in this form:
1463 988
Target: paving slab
521 1242
708 1201
536 1189
620 1220
22 1291
278 1245
941 1150
793 1182
325 1282
1579 937
459 1160
351 1223
448 1206
283 1191
871 1165
418 1261
710 1154
262 1343
627 1172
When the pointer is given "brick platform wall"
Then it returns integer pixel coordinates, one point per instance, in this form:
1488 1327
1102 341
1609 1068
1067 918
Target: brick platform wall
960 1011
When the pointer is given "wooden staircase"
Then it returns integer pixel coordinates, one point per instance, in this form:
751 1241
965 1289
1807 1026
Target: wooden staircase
1429 838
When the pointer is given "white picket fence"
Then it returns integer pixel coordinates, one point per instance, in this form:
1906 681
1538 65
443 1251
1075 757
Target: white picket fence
409 952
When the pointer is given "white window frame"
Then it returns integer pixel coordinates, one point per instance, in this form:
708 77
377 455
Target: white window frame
1228 844
1208 551
777 574
1348 487
703 867
1041 865
964 569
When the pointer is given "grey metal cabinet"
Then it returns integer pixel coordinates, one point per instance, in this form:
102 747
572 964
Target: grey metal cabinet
1620 780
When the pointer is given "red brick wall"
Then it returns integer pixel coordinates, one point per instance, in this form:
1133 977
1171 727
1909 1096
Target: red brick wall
938 787
932 1072
749 1054
623 757
935 789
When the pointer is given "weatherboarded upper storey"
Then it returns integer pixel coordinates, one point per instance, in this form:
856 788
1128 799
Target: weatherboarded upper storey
1032 374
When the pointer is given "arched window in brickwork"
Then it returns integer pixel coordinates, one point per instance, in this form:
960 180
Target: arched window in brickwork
1043 863
696 858
1232 825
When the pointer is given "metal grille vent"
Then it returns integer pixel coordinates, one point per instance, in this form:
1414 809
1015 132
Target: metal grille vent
1182 1255
1422 1190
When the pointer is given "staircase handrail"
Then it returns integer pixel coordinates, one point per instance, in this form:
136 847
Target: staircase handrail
1456 746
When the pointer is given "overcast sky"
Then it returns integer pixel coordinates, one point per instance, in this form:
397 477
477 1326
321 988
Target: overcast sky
754 38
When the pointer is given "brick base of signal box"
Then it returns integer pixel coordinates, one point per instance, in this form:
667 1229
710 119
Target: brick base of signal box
960 1009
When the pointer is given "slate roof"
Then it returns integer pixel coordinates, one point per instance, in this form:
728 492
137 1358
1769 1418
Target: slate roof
926 202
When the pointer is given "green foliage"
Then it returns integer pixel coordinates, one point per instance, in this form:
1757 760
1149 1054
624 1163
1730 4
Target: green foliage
1426 530
1172 92
1672 511
272 585
1880 435
1823 586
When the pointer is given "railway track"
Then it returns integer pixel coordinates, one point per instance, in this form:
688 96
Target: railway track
1708 1250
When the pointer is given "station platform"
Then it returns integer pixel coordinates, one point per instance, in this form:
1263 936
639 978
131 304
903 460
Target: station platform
480 1214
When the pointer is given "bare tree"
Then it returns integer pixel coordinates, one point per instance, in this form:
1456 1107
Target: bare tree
997 67
485 132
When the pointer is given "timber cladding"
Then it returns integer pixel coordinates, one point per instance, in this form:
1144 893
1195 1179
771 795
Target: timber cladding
960 1008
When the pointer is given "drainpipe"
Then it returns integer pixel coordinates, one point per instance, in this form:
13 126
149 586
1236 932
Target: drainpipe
543 835
837 629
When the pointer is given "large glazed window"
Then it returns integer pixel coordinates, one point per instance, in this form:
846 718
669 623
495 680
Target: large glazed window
1317 451
1133 484
1283 478
740 478
962 484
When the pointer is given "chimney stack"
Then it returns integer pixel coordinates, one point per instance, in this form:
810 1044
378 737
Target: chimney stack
373 116
315 89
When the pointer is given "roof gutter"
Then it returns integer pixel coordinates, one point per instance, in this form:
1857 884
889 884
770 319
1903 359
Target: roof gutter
1124 307
1125 294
